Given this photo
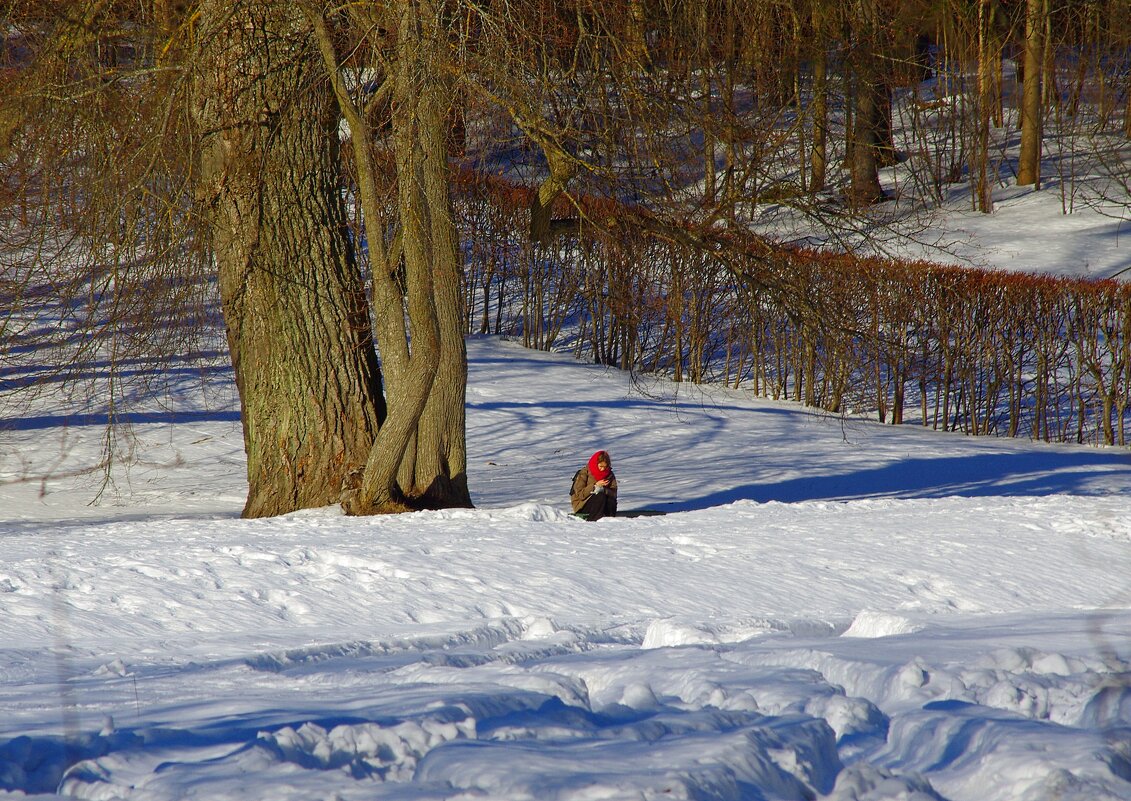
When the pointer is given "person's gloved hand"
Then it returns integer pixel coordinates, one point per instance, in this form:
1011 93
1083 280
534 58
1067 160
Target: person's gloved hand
598 489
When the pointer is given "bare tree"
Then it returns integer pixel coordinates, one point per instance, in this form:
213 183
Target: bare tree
100 306
263 135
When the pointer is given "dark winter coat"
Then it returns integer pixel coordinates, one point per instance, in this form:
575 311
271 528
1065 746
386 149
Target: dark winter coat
583 484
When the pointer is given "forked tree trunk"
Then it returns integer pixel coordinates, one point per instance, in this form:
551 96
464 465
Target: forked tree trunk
435 476
293 301
439 477
419 458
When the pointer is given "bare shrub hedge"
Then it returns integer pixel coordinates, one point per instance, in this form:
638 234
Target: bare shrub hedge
955 349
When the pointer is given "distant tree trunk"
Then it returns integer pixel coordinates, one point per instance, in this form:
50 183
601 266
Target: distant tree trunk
544 229
983 188
885 131
710 169
863 163
1127 113
636 26
293 300
864 142
818 156
1029 163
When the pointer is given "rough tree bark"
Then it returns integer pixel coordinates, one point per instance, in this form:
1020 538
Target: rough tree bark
293 301
437 474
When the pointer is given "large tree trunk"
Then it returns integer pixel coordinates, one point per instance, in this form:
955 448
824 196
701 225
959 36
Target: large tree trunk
293 300
1029 163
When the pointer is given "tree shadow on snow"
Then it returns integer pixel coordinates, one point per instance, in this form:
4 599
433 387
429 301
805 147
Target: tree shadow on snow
41 421
984 475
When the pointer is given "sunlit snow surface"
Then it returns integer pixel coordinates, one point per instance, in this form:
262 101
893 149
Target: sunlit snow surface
829 608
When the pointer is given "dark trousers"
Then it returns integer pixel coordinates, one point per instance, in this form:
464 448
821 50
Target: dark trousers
598 506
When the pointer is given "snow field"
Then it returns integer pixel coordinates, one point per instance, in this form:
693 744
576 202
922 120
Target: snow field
830 609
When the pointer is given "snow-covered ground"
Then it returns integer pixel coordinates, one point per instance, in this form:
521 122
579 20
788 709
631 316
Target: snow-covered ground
1029 232
828 608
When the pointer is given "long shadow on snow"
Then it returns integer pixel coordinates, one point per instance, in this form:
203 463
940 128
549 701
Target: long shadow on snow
34 422
36 764
985 475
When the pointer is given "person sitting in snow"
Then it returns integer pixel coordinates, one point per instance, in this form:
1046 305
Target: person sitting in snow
594 493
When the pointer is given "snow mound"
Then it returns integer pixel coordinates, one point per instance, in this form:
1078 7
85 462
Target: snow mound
667 632
534 512
523 512
368 749
870 624
865 782
671 631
